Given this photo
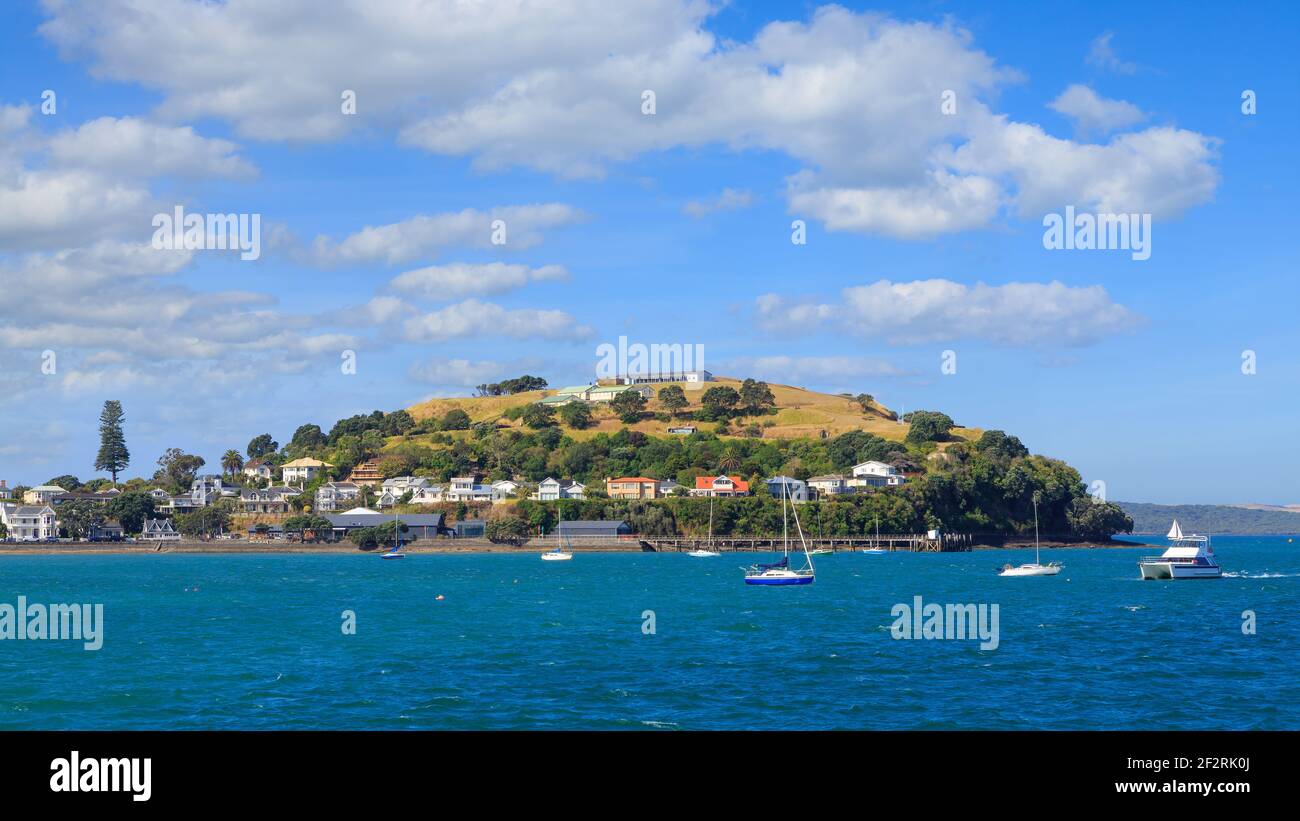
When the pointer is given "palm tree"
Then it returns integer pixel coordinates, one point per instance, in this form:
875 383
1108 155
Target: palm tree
730 462
232 462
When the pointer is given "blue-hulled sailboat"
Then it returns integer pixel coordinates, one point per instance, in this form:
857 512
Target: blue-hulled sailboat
780 573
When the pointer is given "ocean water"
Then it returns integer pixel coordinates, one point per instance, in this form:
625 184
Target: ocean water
255 642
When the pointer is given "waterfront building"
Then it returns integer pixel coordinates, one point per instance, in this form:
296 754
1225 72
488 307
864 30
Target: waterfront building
303 470
28 523
796 490
632 487
720 486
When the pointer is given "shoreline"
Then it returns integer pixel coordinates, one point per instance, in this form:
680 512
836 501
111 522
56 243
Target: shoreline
467 548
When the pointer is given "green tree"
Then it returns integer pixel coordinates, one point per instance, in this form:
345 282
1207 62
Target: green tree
539 416
508 528
317 526
719 401
261 446
455 419
364 538
1092 519
177 468
232 463
756 396
576 415
113 456
67 482
673 398
998 443
928 426
628 405
77 518
306 439
130 509
204 522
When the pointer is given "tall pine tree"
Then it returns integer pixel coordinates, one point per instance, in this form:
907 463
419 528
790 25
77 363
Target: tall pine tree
113 455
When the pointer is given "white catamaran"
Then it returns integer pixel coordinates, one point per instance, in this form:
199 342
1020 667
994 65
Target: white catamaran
1188 557
1034 569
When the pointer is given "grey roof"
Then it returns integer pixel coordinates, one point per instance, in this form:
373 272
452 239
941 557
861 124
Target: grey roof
376 519
580 527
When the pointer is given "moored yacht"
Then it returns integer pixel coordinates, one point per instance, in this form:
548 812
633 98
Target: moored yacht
1188 557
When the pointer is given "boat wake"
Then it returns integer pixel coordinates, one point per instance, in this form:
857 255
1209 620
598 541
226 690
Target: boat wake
1244 575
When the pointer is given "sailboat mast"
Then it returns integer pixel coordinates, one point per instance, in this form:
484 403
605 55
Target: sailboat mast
785 524
710 521
1036 559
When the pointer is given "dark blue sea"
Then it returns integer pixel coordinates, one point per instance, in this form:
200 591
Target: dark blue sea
256 642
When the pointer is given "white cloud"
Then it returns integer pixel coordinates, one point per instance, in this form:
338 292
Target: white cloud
131 147
854 97
802 370
1162 171
940 310
457 372
90 183
1094 113
423 235
943 204
1102 55
728 200
456 280
474 318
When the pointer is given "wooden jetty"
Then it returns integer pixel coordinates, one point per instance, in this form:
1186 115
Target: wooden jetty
909 542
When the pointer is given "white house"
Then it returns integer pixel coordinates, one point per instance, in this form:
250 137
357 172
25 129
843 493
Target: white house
258 469
552 489
830 484
505 488
28 523
467 489
796 490
205 490
668 487
875 474
690 377
42 494
5 491
159 530
401 484
607 393
335 496
303 470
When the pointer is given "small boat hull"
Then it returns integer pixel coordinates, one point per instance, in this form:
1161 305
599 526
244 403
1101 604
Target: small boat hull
875 551
703 554
1032 570
1160 571
556 557
779 579
392 555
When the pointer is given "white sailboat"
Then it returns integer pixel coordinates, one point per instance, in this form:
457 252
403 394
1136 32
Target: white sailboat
779 573
876 549
558 553
396 551
1036 568
1188 557
704 553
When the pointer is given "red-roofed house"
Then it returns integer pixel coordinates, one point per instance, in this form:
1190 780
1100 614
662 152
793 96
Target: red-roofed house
632 487
720 486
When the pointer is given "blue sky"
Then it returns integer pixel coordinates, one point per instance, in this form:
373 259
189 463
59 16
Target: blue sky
924 229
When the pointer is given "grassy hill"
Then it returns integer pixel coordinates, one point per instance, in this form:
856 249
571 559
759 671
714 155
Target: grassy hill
800 413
